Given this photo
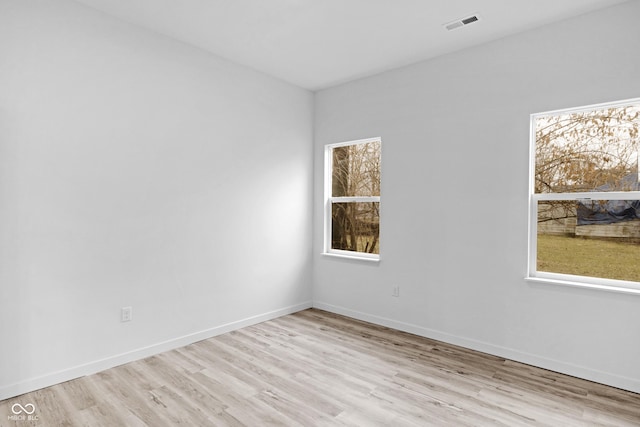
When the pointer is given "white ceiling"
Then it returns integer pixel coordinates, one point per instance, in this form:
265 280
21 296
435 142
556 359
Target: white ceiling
320 43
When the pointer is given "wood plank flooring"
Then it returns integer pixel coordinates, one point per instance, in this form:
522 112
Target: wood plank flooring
315 368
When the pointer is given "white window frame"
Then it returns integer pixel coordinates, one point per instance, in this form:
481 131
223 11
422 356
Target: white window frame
329 200
599 283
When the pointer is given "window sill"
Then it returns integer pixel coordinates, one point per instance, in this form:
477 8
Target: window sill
606 288
351 257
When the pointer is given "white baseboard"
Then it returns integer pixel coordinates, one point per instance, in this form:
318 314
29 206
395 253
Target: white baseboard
625 383
53 378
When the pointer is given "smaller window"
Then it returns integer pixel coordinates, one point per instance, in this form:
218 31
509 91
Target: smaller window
352 199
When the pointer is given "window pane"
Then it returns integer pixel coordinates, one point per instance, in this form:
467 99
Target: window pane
356 170
596 238
588 150
355 226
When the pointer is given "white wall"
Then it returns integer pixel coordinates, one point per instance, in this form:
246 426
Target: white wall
455 141
138 171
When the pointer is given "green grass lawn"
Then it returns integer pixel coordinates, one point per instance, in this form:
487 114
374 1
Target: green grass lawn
589 257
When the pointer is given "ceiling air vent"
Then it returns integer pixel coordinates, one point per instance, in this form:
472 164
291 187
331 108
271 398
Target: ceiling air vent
461 22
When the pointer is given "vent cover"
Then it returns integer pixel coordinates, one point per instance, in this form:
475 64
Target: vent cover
461 22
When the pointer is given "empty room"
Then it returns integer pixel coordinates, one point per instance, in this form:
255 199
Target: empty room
319 212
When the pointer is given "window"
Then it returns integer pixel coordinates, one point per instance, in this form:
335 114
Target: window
352 199
584 223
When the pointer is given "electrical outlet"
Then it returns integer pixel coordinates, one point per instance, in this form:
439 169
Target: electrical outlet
396 291
126 314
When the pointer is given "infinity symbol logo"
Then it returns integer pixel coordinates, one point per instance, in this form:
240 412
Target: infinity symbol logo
28 409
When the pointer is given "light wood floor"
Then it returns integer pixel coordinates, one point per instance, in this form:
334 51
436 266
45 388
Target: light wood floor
315 368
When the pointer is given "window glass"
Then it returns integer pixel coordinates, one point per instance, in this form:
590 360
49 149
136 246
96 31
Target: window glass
594 150
356 170
355 226
594 238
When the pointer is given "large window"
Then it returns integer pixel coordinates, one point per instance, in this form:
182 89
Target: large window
585 196
352 199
